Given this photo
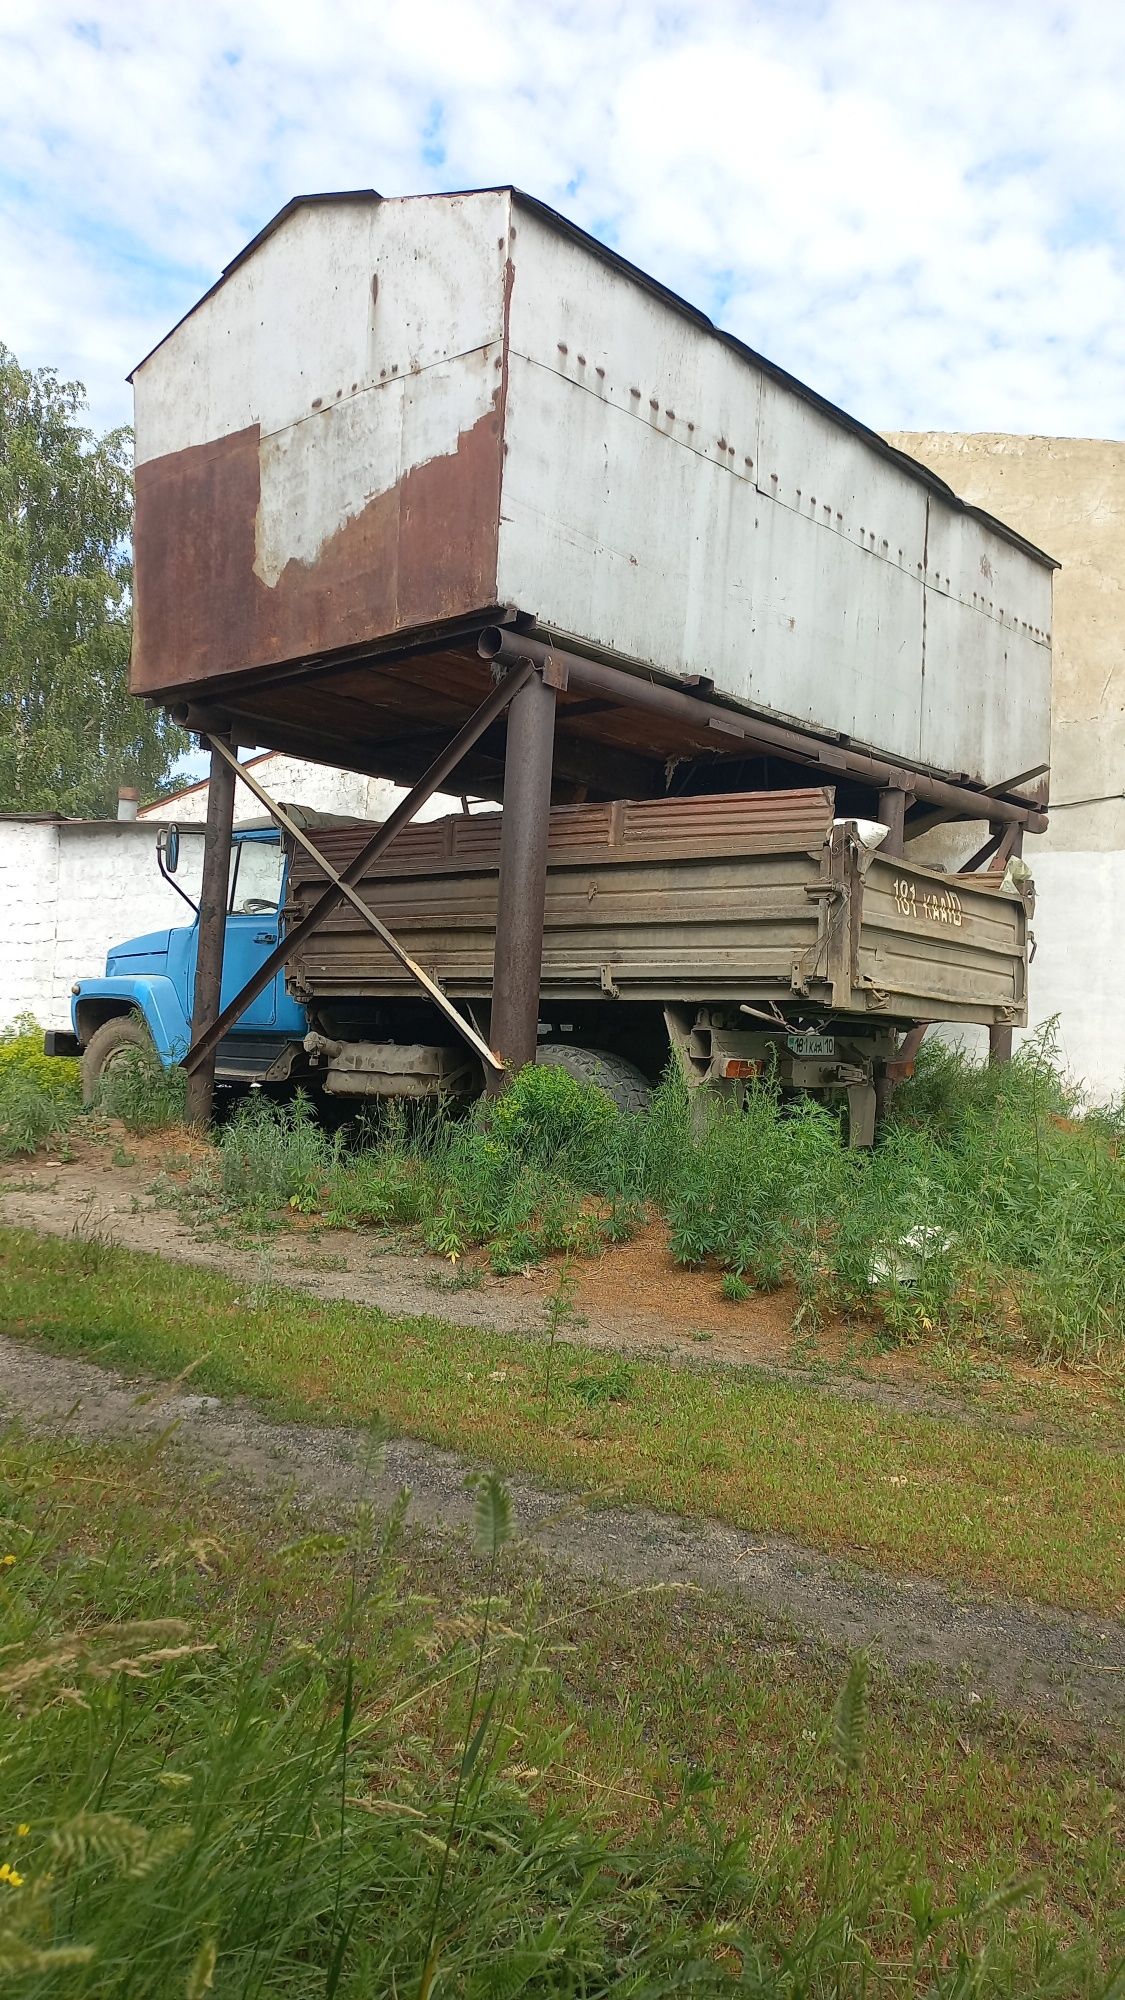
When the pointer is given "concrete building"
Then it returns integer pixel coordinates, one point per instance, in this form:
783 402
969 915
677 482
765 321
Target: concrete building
290 779
1068 496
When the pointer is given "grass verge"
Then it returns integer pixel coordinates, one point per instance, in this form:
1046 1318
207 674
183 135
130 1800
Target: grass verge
988 1510
240 1758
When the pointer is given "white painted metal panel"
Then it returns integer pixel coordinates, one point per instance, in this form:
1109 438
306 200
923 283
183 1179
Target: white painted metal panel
282 427
828 476
987 688
837 634
611 336
314 339
612 533
581 543
986 695
319 474
628 530
341 297
669 501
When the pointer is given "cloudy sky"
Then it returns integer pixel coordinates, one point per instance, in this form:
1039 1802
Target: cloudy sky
919 208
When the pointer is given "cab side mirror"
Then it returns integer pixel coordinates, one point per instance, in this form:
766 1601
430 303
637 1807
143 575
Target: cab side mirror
168 849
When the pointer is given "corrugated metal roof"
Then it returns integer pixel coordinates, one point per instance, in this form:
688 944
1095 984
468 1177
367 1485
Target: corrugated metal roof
911 466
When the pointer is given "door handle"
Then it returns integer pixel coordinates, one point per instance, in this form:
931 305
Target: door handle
265 937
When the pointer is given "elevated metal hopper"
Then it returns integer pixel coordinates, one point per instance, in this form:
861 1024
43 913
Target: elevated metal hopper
392 423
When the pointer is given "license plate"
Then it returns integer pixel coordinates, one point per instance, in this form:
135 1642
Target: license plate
811 1045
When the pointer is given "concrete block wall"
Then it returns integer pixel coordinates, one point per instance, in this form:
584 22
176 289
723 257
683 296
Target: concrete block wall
68 890
29 860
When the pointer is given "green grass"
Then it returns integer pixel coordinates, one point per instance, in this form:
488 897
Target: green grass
987 1509
236 1745
658 1686
988 1213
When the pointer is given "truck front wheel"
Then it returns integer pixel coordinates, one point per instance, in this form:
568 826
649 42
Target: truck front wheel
622 1081
108 1047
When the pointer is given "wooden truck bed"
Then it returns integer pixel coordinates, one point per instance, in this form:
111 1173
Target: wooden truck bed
748 896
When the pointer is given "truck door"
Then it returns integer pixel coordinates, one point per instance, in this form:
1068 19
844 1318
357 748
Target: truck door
256 867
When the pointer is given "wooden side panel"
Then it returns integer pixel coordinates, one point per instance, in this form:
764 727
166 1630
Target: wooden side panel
691 899
743 821
661 897
692 926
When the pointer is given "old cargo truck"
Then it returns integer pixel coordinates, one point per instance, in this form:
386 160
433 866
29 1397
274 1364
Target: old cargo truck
443 486
749 934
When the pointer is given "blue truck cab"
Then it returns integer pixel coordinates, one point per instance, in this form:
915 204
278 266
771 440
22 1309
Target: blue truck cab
144 998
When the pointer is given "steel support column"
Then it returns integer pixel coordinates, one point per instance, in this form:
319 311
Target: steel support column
892 812
211 934
1000 1032
522 887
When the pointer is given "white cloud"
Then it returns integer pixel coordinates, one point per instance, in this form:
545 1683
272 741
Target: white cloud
920 209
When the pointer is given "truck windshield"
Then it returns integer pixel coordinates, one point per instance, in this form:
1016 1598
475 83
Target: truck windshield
255 881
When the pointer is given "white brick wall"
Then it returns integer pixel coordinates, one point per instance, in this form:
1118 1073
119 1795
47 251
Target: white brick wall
29 859
67 892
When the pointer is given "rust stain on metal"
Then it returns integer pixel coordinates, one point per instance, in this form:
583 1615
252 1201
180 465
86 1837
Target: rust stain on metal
424 549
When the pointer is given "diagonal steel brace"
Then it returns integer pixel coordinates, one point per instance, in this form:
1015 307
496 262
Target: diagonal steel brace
429 986
339 887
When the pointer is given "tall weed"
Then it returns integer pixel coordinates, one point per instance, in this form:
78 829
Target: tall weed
275 1155
40 1095
992 1203
1036 1197
545 1168
139 1089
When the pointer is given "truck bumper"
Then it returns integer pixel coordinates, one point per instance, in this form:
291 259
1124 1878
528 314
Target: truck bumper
60 1042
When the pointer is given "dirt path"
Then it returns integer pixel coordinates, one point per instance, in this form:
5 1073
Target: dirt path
630 1300
1068 1670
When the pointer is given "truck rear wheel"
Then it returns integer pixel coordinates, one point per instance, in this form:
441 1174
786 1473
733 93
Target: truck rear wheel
107 1046
622 1081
